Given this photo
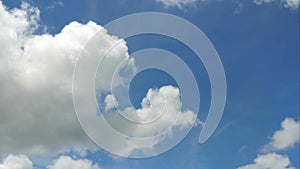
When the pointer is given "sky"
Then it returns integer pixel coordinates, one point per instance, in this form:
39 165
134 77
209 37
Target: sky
41 42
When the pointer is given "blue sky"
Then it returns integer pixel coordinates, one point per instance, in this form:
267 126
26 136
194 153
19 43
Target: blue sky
259 48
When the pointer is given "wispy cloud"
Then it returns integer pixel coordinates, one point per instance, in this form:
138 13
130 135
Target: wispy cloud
291 4
56 4
177 3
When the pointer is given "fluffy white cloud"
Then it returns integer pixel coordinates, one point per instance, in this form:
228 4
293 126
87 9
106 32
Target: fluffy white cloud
163 103
37 114
16 162
270 161
286 137
291 4
177 3
66 162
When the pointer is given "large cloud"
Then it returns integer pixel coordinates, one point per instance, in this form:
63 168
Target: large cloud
270 161
16 162
37 114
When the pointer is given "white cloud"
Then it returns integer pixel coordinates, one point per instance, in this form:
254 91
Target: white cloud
16 162
37 114
63 162
165 100
110 101
66 162
270 161
286 137
282 139
260 2
56 4
291 4
177 3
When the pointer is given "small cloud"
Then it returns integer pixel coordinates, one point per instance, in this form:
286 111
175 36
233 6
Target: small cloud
284 138
243 148
67 162
56 4
260 2
292 4
177 3
270 161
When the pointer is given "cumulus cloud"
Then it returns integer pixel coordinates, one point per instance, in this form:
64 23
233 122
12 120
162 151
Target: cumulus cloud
62 162
282 139
66 162
291 4
270 161
163 103
177 3
37 114
16 162
286 137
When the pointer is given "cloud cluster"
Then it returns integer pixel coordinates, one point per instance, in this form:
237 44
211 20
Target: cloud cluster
37 114
114 74
282 139
291 4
